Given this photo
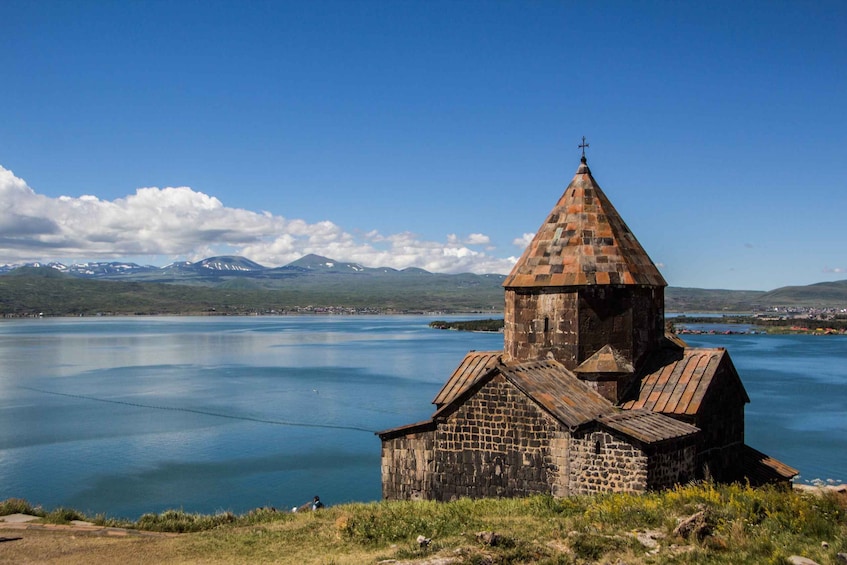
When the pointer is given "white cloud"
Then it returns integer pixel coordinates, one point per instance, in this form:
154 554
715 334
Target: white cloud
181 223
524 240
472 239
836 270
478 239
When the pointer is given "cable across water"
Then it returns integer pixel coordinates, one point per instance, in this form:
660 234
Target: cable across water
202 412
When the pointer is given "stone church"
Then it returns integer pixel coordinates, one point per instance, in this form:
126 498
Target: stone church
589 394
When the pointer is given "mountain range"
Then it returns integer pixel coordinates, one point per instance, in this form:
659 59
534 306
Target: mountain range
240 285
214 270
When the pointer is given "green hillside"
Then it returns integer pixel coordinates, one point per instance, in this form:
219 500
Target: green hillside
43 291
829 293
314 286
711 300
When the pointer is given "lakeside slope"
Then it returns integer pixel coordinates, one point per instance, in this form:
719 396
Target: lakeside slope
703 523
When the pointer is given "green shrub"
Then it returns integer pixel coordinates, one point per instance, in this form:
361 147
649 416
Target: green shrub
263 516
179 521
63 516
547 506
627 510
19 506
388 522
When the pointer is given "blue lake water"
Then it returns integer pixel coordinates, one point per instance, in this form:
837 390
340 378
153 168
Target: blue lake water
130 415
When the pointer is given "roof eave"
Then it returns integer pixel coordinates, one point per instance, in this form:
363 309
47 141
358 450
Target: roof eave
426 425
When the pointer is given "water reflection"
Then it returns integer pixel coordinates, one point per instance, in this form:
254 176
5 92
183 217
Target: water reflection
126 416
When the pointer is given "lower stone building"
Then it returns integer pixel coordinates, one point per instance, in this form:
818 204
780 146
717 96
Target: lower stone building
504 430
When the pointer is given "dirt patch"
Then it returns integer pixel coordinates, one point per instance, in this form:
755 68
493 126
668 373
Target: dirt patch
74 546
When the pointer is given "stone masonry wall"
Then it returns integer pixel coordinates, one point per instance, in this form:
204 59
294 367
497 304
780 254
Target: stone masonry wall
575 322
602 462
721 440
721 416
499 444
539 321
407 464
672 463
721 419
630 319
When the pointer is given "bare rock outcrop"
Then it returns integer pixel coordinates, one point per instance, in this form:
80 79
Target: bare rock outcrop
698 526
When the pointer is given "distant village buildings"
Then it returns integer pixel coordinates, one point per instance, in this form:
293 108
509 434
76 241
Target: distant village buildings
589 393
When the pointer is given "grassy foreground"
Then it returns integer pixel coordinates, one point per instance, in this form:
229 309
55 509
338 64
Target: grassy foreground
739 525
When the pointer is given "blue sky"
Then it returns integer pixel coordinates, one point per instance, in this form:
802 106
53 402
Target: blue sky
429 134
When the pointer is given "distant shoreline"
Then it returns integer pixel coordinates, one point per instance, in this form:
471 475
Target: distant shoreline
759 326
316 313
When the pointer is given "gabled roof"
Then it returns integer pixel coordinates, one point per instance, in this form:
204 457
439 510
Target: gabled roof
646 426
558 391
605 360
673 340
408 429
761 469
584 241
677 380
470 370
561 394
547 382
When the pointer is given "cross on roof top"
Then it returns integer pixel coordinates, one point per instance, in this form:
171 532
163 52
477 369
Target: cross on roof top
582 146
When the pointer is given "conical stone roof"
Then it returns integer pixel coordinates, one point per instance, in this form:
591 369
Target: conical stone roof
584 241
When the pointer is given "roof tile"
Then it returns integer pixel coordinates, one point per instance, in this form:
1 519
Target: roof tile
646 426
558 390
676 380
474 365
760 468
582 227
